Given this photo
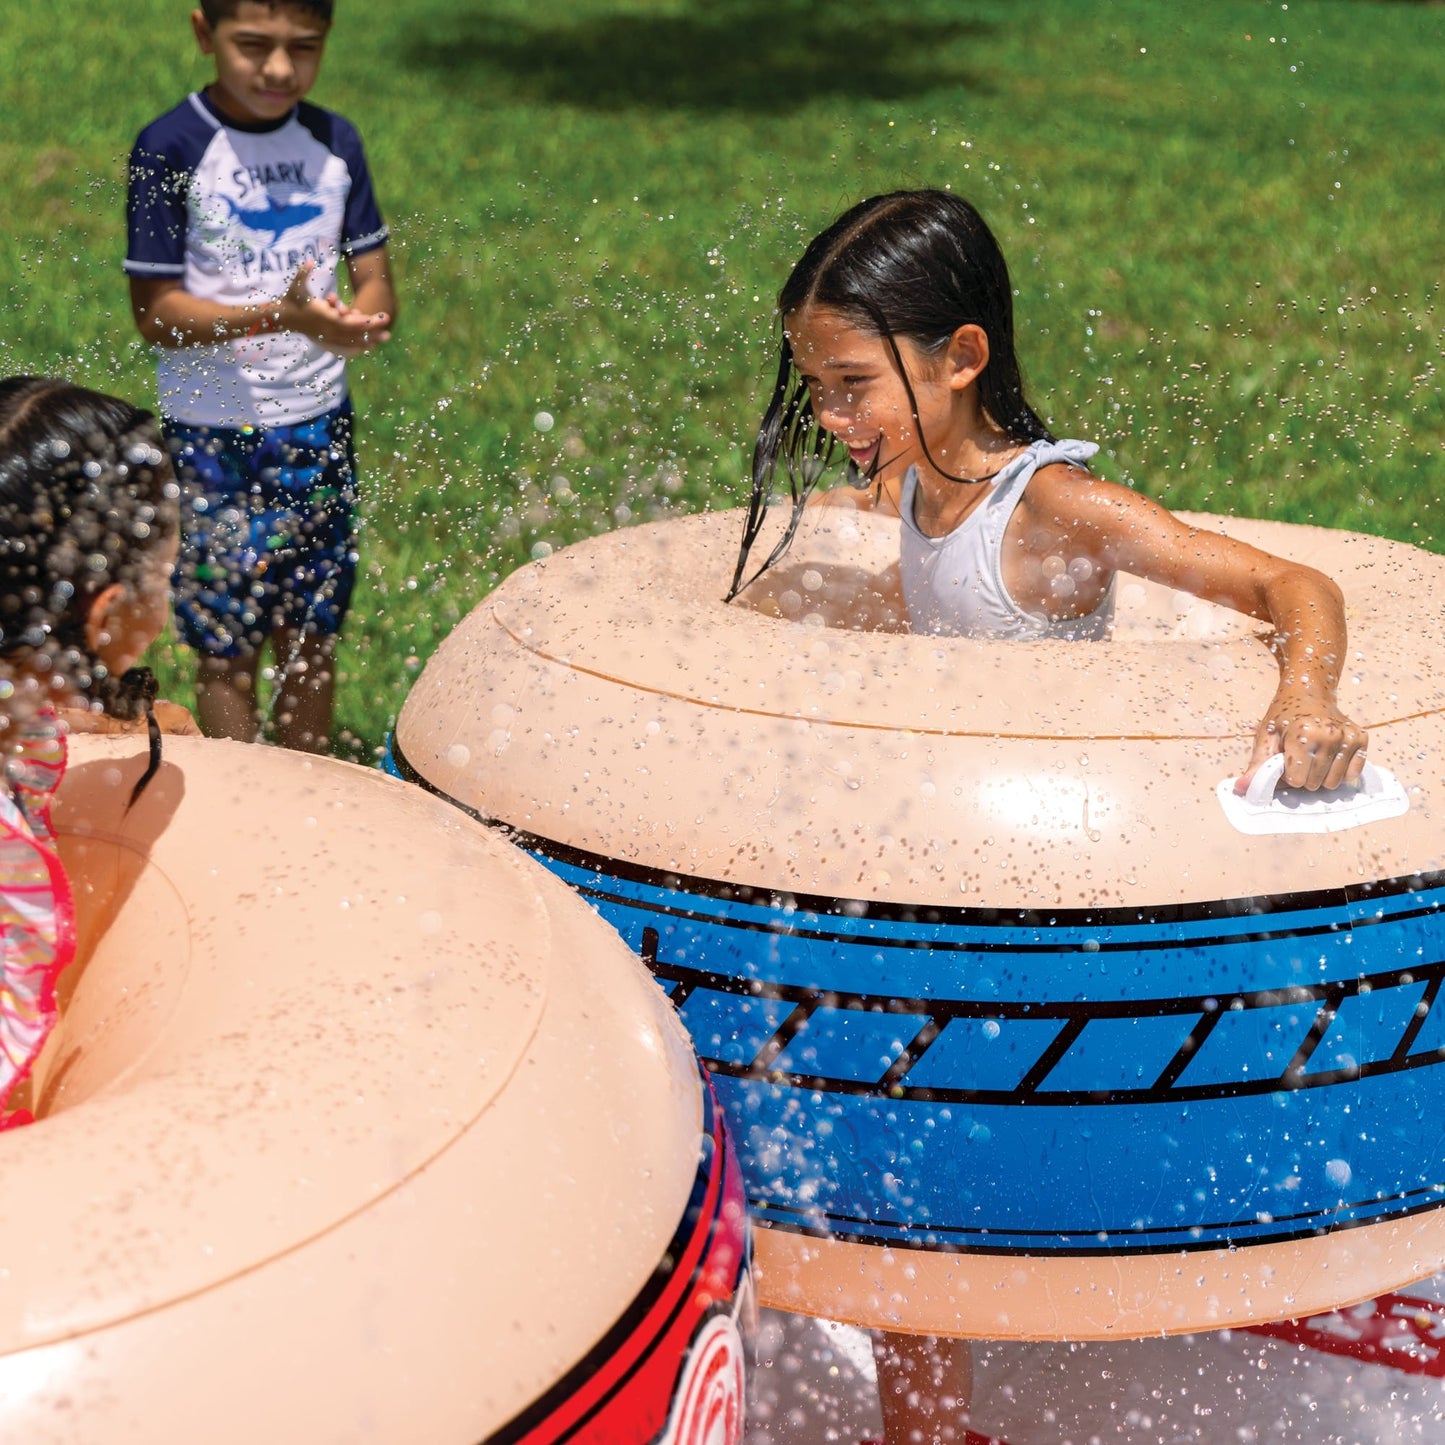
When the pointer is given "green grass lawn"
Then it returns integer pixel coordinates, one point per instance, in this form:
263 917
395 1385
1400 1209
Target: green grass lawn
1223 221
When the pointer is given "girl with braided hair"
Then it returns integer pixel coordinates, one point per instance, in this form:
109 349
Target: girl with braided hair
89 520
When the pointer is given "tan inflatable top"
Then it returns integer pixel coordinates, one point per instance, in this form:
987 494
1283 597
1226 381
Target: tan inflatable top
357 1126
1067 760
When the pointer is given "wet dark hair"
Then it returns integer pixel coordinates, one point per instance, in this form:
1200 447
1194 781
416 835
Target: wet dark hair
216 11
87 495
918 264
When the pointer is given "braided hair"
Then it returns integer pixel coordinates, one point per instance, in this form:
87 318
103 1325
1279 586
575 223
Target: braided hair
918 264
87 496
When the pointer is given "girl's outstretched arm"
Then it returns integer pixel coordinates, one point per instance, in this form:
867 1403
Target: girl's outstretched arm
1121 530
1322 747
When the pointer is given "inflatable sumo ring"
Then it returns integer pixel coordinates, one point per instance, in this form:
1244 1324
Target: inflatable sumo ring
356 1126
1021 1031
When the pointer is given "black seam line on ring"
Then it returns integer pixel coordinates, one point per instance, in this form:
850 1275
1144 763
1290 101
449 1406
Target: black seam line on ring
1072 1019
1116 1244
790 927
998 919
604 866
1224 1001
1249 1221
1069 1098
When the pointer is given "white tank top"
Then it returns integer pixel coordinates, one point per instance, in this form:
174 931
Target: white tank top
954 586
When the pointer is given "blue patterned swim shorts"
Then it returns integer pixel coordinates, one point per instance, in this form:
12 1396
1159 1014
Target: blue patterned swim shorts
268 538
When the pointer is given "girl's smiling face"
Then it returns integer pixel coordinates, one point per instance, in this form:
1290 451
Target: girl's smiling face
859 395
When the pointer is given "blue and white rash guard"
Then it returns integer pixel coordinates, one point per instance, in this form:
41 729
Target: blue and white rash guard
231 210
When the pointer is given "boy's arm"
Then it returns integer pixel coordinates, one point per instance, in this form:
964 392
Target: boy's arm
168 315
372 289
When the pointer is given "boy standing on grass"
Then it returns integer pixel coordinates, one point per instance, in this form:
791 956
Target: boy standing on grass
241 202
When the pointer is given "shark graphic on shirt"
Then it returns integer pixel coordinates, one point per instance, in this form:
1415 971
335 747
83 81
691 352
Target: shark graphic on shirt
276 217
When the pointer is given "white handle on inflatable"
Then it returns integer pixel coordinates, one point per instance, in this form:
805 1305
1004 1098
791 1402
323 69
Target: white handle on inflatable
1373 782
1266 807
1265 781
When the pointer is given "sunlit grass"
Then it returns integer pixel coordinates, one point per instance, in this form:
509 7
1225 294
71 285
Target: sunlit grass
1222 221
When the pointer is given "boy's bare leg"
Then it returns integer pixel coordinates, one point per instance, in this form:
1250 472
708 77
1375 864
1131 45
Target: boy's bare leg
306 688
226 697
925 1386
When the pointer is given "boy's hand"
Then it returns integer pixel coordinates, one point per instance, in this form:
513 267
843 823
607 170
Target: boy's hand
328 321
1322 748
343 309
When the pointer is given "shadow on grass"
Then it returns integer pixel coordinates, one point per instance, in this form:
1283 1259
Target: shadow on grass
769 55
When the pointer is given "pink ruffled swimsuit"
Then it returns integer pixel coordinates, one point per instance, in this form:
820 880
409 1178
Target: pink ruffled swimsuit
37 912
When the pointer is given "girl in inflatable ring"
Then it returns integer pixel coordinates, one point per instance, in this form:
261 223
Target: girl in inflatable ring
898 350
